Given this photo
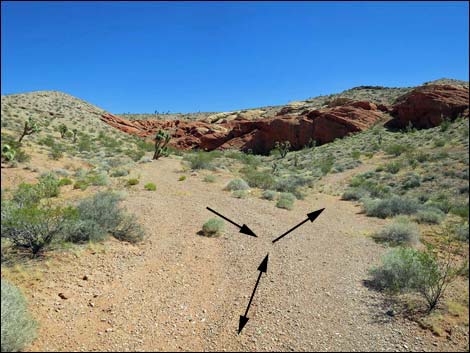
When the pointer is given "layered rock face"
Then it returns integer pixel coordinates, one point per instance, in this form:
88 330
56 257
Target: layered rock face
427 106
258 135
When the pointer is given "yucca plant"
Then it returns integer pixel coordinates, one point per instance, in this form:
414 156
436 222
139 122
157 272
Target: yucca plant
161 141
30 127
8 153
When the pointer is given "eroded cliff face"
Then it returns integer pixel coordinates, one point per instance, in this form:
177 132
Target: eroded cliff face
425 107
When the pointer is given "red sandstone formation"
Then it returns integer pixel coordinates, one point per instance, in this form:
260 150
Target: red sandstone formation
260 135
427 106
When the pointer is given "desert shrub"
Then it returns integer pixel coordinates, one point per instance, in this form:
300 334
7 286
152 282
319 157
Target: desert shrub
201 160
430 215
396 149
355 154
33 228
65 181
81 184
128 229
57 152
102 208
269 195
150 187
26 195
85 144
286 201
292 183
390 207
98 179
409 270
134 154
239 194
461 231
439 143
258 179
393 167
441 201
119 173
460 210
132 181
411 181
213 227
209 178
354 194
326 164
400 232
48 141
182 178
18 326
237 184
48 185
83 230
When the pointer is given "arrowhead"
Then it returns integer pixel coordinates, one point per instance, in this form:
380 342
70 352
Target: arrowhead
245 230
313 215
242 323
263 267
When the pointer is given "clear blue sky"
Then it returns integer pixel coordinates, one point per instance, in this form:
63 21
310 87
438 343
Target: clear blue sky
220 56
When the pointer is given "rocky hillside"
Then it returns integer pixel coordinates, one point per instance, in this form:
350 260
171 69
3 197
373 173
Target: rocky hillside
302 123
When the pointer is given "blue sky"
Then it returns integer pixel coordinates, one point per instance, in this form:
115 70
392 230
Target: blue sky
221 56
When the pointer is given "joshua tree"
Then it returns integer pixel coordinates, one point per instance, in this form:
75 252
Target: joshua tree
63 130
283 147
30 127
161 141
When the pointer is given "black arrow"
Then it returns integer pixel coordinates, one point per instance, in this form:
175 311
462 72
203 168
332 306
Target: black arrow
263 267
243 229
310 217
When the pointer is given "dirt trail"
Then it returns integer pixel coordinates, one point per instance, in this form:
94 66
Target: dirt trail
182 291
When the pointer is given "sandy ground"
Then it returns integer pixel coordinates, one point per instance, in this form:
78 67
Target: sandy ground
181 291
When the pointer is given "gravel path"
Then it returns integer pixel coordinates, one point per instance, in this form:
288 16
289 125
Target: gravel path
182 291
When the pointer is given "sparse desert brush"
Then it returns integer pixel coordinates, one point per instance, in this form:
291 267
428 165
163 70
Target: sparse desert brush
258 179
396 149
393 167
389 207
18 326
237 184
209 179
81 184
100 179
400 232
119 173
286 201
405 270
269 195
132 181
213 227
239 194
150 187
354 194
202 160
430 215
65 181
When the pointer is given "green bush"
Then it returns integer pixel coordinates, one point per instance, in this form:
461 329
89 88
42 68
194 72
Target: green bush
119 173
286 201
237 184
81 184
354 194
411 181
239 194
150 187
26 195
48 186
202 160
393 167
269 195
128 229
182 178
390 207
460 210
132 181
430 215
65 181
98 179
396 149
258 179
461 231
32 227
57 152
408 270
400 232
209 179
18 326
213 227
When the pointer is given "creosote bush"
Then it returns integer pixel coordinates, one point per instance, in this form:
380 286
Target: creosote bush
213 227
209 179
132 181
239 194
390 207
269 195
18 326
